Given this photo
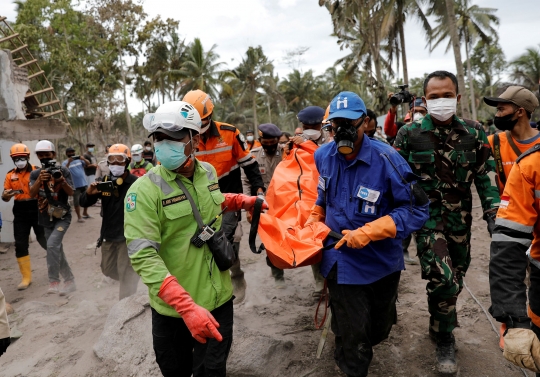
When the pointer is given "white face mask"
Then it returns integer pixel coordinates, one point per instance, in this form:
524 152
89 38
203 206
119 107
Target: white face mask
117 170
249 138
137 157
148 148
417 117
442 109
312 134
21 164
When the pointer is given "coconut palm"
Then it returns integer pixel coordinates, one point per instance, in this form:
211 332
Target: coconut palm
526 68
299 89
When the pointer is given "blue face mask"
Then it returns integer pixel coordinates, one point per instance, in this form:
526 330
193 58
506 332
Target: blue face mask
170 153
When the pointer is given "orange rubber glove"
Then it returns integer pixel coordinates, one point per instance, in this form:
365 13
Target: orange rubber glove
236 202
377 230
198 320
317 215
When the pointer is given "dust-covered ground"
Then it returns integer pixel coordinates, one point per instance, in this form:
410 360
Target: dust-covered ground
274 334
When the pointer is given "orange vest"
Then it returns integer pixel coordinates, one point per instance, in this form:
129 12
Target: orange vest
508 156
19 181
225 149
256 144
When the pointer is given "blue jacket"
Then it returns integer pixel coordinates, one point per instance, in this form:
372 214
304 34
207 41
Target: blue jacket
362 190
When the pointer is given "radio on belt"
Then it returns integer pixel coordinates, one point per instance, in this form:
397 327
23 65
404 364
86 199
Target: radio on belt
206 232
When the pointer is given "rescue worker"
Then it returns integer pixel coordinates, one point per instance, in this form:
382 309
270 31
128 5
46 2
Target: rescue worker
191 299
268 156
366 192
139 166
518 229
449 155
251 141
115 261
514 110
52 185
148 153
224 147
25 210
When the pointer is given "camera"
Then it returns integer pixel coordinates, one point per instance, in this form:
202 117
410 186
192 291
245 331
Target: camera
401 97
51 168
75 157
107 186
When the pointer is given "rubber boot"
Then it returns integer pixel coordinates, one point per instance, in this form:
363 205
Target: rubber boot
26 272
319 280
446 356
278 277
237 278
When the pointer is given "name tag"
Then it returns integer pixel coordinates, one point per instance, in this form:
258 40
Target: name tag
368 194
173 200
213 187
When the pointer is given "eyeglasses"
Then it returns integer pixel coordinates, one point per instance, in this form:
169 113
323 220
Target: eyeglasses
116 158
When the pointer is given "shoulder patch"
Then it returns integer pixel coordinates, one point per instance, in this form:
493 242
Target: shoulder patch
131 202
533 149
227 128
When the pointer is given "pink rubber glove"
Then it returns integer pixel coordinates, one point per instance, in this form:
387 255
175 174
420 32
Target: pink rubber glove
236 202
198 320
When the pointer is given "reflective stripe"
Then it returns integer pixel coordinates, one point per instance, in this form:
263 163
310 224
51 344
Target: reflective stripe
504 238
214 151
532 260
244 158
514 225
537 193
209 171
247 163
141 243
159 182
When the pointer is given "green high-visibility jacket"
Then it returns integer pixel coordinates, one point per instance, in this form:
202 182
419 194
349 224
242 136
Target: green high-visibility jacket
158 226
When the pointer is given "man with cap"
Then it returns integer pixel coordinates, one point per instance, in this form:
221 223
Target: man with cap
367 193
514 110
76 165
268 155
417 110
90 171
251 141
370 128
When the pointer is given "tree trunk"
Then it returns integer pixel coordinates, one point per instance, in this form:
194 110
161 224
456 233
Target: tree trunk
452 28
471 81
255 121
269 111
403 52
124 89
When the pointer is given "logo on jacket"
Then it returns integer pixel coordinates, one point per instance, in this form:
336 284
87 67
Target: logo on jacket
131 202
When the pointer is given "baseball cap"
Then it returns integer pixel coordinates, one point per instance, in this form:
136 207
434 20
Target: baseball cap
417 103
347 105
516 95
70 150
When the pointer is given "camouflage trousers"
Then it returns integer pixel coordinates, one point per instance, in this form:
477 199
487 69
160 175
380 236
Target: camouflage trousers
444 258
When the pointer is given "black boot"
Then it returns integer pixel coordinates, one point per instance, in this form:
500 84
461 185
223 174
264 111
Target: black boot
446 357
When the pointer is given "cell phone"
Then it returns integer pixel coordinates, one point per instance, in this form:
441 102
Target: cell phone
105 186
76 157
17 191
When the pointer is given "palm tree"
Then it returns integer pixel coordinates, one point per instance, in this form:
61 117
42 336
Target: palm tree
473 23
298 89
526 68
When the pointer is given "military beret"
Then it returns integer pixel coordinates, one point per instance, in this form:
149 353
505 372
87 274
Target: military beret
311 115
269 130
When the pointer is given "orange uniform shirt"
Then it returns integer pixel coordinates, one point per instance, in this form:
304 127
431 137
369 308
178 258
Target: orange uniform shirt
255 144
19 181
508 156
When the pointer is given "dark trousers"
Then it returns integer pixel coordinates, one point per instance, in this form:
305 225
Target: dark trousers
178 354
23 222
362 317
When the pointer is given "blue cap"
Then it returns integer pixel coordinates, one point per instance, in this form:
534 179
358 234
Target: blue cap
347 105
269 130
417 103
311 115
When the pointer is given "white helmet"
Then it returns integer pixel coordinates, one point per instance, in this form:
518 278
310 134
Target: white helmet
173 117
45 146
136 149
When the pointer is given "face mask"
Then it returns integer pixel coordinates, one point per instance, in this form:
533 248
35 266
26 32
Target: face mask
21 164
149 148
345 136
117 170
442 109
137 158
417 117
45 161
171 153
312 134
270 149
249 138
90 150
505 123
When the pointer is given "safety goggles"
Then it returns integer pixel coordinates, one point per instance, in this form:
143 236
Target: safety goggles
15 159
168 121
116 158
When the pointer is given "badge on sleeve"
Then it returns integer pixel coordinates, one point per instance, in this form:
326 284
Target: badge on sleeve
131 202
368 194
322 183
505 201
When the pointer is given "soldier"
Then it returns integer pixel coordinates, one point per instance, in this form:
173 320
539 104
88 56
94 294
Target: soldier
449 155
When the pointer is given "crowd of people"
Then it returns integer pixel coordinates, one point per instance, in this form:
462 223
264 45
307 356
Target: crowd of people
171 211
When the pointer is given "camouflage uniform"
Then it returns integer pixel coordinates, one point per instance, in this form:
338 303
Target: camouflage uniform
449 159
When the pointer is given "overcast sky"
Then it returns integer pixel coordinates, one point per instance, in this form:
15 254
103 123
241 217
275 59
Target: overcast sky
282 25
